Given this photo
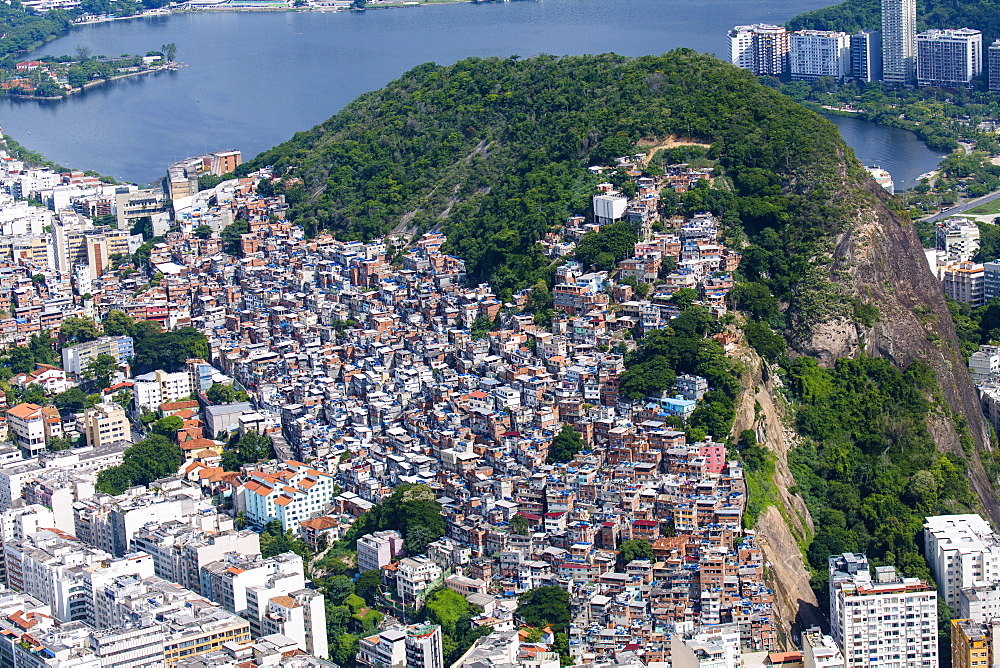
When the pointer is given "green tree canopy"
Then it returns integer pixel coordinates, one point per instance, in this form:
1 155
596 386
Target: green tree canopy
169 350
78 330
545 606
608 246
118 323
632 549
565 445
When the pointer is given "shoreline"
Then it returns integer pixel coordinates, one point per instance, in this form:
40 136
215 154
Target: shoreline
172 67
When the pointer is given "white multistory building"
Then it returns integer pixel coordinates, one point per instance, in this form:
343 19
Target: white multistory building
820 651
962 551
760 48
984 363
879 618
158 387
414 576
716 646
964 282
949 58
958 237
819 53
899 41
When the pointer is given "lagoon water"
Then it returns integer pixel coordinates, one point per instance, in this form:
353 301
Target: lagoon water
898 151
254 79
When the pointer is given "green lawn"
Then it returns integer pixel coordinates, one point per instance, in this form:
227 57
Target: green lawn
986 209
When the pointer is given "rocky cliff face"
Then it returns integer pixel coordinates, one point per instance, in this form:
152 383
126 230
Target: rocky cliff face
880 261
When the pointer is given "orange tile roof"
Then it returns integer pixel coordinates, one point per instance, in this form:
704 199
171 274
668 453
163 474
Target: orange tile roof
23 411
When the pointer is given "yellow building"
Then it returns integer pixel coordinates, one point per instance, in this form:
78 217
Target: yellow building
105 424
970 644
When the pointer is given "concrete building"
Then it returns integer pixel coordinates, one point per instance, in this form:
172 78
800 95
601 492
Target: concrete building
386 649
301 617
899 41
180 551
106 424
229 580
981 602
225 418
866 609
377 549
28 424
962 550
820 651
949 58
973 643
958 237
984 363
760 48
297 492
964 282
609 208
819 53
709 647
994 65
423 646
866 55
75 358
158 387
991 280
414 576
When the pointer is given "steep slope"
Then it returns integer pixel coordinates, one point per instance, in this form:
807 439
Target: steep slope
879 259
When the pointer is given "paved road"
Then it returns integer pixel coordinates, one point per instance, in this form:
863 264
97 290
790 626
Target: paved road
962 208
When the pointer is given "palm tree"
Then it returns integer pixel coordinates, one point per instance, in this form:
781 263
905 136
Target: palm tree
240 521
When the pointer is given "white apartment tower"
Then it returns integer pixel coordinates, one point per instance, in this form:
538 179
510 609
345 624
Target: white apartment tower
880 619
963 551
899 41
760 48
949 58
819 53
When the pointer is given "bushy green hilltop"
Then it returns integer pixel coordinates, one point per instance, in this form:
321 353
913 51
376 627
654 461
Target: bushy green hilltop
854 15
494 152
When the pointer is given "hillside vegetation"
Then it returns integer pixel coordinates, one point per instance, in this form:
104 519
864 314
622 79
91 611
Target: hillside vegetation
493 151
855 15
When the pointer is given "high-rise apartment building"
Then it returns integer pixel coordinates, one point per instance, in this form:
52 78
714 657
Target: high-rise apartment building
962 550
760 48
994 65
949 58
866 55
819 53
964 282
879 618
899 41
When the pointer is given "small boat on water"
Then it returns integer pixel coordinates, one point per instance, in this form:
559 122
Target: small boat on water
882 177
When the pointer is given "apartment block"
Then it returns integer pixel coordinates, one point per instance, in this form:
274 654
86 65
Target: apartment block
159 387
106 424
964 282
994 64
949 58
414 577
958 237
27 421
899 41
880 618
75 358
377 549
819 53
962 551
760 48
866 55
294 493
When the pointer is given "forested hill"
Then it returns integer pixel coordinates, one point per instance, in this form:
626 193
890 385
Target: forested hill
495 152
854 15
